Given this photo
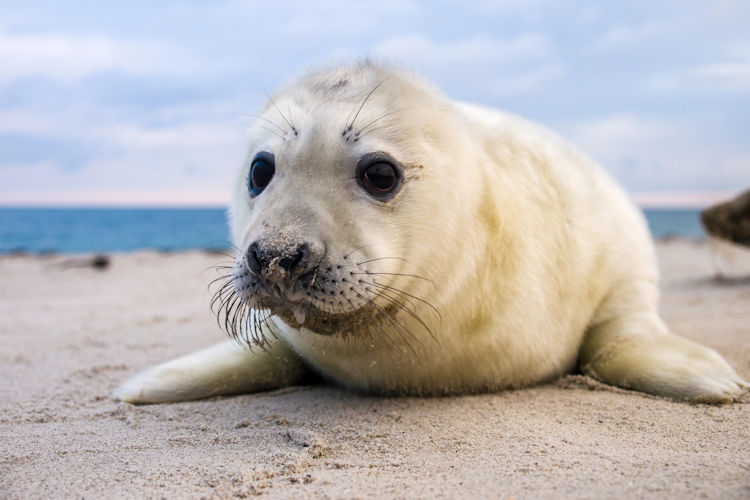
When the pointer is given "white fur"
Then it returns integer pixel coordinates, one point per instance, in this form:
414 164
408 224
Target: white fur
525 243
224 368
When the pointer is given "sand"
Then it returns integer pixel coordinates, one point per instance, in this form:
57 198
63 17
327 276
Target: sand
69 335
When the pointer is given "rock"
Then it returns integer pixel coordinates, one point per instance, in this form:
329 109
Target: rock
729 220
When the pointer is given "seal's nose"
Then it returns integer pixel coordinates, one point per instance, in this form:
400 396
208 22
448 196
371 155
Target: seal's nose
287 261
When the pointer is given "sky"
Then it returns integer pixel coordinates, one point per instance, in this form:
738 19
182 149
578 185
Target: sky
149 103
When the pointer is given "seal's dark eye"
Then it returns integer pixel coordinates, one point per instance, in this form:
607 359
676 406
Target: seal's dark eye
261 173
379 176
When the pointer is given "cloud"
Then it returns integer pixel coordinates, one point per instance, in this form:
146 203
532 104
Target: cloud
623 130
68 58
354 21
140 162
728 75
28 148
22 121
622 36
646 153
495 67
468 51
529 81
145 96
732 76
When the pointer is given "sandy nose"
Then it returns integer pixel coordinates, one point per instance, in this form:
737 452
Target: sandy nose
286 261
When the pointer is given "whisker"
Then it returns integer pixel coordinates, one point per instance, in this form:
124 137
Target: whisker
279 127
398 274
218 267
400 297
396 290
256 116
409 312
220 278
272 131
382 258
361 130
268 321
404 308
291 118
356 250
346 337
237 325
350 125
223 294
236 248
398 326
217 297
288 122
228 315
222 265
372 130
382 334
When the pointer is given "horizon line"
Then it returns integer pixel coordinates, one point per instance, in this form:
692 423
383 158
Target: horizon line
643 199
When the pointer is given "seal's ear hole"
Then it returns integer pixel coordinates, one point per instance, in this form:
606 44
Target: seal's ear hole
261 172
380 175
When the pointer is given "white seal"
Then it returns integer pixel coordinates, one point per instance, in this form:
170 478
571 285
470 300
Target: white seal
397 242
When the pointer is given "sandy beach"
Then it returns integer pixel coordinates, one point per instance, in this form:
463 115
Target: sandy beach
69 335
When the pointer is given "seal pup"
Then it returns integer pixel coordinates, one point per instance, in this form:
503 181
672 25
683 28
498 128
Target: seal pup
397 242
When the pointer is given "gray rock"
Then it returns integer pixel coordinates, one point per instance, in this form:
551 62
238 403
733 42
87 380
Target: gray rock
729 220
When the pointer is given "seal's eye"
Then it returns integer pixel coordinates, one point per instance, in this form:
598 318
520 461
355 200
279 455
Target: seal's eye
379 175
261 173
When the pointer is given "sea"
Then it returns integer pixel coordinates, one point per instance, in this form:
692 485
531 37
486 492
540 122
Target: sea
102 230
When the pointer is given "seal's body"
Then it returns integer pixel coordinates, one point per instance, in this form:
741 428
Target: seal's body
397 242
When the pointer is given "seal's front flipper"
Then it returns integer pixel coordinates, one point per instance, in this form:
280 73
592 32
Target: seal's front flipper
221 369
637 351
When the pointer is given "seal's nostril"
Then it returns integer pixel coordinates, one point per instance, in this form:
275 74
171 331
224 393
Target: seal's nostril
253 260
294 260
291 260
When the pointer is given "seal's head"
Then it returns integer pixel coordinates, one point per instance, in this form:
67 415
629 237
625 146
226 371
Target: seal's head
335 213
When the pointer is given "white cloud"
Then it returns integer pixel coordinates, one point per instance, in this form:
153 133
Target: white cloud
21 121
189 155
514 83
68 57
735 75
647 153
496 67
590 15
155 176
173 122
614 132
340 19
183 135
719 77
738 167
524 9
622 36
482 50
186 162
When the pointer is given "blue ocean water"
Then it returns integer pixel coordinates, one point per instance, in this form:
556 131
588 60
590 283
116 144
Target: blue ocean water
84 230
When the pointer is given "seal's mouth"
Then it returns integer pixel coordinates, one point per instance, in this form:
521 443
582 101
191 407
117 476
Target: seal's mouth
306 317
315 302
303 313
337 297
